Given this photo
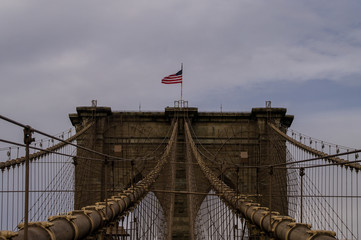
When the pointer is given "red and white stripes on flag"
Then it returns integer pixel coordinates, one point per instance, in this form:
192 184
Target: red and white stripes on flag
173 79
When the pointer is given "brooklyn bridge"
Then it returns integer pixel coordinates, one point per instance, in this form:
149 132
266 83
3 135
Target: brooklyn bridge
178 174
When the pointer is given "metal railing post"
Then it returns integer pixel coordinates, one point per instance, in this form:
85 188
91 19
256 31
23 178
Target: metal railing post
270 196
106 186
27 140
302 173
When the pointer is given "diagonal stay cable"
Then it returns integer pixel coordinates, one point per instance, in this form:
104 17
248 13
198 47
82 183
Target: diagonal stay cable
322 155
93 218
272 223
58 139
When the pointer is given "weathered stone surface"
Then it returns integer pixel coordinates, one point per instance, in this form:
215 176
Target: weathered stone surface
229 141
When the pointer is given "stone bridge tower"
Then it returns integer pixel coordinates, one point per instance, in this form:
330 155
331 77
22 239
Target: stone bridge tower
230 141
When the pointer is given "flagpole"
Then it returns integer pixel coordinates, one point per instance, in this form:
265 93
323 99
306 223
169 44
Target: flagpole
182 84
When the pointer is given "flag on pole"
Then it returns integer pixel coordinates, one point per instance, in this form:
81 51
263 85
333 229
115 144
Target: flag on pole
173 78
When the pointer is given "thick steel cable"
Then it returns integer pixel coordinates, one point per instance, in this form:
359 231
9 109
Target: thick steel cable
53 137
282 227
79 224
281 176
62 140
333 158
42 195
328 193
319 207
42 152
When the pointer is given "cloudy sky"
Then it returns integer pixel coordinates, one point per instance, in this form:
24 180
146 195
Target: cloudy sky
304 55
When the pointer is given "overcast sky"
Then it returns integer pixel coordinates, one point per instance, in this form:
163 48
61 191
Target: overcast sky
304 55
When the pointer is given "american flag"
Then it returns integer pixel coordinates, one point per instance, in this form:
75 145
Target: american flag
173 78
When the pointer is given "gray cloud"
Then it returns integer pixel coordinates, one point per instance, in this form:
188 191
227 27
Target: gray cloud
57 55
